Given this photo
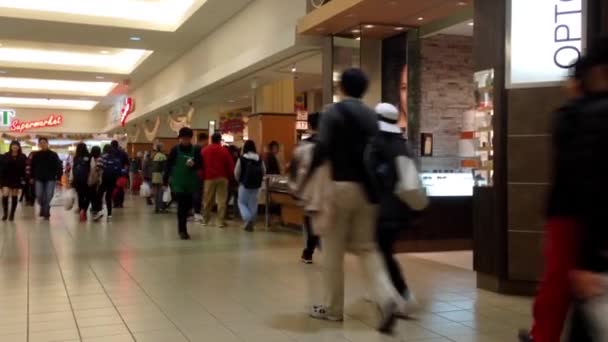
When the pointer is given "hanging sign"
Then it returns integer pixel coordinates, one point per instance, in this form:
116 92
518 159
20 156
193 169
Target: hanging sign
128 107
6 116
20 126
544 39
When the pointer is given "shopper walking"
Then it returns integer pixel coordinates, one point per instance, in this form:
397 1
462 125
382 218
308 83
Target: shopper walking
181 172
311 239
111 164
197 198
12 179
47 169
159 163
219 169
232 211
94 183
346 129
81 170
393 166
249 173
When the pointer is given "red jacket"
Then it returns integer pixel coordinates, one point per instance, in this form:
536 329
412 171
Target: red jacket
217 162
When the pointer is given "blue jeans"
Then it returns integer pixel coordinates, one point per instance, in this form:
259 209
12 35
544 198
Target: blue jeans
248 204
45 190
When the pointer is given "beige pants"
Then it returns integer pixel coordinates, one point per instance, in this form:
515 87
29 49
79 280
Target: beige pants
216 192
353 231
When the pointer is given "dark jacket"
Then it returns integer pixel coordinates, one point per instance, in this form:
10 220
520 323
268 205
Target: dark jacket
172 158
346 129
393 212
13 169
46 166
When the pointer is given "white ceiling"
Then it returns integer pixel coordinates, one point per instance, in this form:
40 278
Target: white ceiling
43 43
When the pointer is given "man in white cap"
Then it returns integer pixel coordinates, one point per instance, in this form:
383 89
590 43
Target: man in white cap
400 192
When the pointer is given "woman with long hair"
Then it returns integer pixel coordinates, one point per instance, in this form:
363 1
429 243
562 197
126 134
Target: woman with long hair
13 178
80 178
249 173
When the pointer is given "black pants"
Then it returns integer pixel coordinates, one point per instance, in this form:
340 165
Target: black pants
108 184
386 235
84 196
197 198
184 205
312 240
96 198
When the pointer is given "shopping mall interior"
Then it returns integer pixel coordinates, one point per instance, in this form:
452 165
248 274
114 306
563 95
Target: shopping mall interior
474 81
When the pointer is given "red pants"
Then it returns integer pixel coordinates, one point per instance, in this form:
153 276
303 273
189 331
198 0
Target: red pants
554 296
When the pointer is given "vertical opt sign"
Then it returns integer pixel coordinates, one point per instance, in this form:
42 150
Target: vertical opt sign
544 39
6 115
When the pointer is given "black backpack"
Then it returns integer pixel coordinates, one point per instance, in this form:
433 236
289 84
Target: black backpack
81 169
252 173
112 165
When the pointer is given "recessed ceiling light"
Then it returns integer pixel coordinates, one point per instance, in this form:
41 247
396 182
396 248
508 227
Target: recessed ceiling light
99 77
356 31
294 69
358 38
420 18
462 3
55 87
104 52
135 38
399 28
471 24
231 101
29 102
368 26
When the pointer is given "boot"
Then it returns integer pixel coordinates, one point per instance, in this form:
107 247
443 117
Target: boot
5 207
14 201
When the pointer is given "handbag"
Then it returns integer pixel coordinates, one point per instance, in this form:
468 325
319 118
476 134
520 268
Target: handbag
409 187
145 190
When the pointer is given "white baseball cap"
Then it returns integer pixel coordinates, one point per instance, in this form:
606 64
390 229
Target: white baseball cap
388 116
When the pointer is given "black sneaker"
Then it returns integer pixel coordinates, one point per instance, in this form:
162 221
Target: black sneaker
306 258
524 336
388 318
184 236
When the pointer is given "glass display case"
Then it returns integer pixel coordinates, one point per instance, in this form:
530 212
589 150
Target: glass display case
448 184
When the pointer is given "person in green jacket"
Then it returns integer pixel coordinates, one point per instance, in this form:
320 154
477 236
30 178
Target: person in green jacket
181 173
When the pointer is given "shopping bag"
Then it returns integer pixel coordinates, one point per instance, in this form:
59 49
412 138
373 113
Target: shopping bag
69 199
596 310
145 190
167 195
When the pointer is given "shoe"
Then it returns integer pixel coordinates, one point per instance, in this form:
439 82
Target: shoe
408 306
524 336
198 218
46 218
97 216
11 217
184 236
109 218
249 227
4 217
83 216
223 225
388 318
306 258
320 312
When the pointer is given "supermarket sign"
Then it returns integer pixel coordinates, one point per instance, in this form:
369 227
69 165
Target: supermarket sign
544 39
8 118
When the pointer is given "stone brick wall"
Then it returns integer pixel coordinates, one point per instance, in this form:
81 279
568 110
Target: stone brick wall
447 88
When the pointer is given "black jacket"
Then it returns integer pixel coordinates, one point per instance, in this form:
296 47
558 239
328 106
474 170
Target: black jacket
12 171
46 166
386 148
346 129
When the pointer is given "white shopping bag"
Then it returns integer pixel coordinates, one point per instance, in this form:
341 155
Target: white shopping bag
69 199
145 190
597 314
167 195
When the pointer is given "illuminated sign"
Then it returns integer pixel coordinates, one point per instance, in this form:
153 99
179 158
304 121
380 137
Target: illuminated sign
52 121
7 116
128 107
544 39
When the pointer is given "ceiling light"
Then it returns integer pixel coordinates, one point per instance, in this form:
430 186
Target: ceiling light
30 55
471 24
231 101
104 52
135 38
28 102
55 87
358 38
99 77
369 26
356 31
159 15
420 18
294 69
399 28
462 3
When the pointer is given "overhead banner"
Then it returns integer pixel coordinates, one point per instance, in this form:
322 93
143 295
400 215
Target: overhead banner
544 39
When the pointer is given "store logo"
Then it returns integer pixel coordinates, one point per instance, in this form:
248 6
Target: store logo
546 37
7 116
52 121
128 107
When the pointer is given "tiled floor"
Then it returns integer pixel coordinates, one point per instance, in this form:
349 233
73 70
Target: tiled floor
461 259
132 280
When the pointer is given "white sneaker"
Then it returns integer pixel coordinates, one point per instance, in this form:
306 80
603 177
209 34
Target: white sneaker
407 306
97 216
198 218
320 312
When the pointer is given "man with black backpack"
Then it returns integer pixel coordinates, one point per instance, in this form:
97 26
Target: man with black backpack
249 173
111 164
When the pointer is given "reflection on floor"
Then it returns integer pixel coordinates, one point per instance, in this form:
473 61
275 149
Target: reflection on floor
461 259
133 280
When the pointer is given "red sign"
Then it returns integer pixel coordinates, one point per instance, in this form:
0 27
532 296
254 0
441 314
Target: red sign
128 107
52 121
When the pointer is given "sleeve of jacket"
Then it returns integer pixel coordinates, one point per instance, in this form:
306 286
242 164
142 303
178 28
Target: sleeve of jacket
198 158
59 165
237 170
229 164
169 165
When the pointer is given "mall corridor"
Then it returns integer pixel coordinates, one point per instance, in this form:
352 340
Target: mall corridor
133 280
